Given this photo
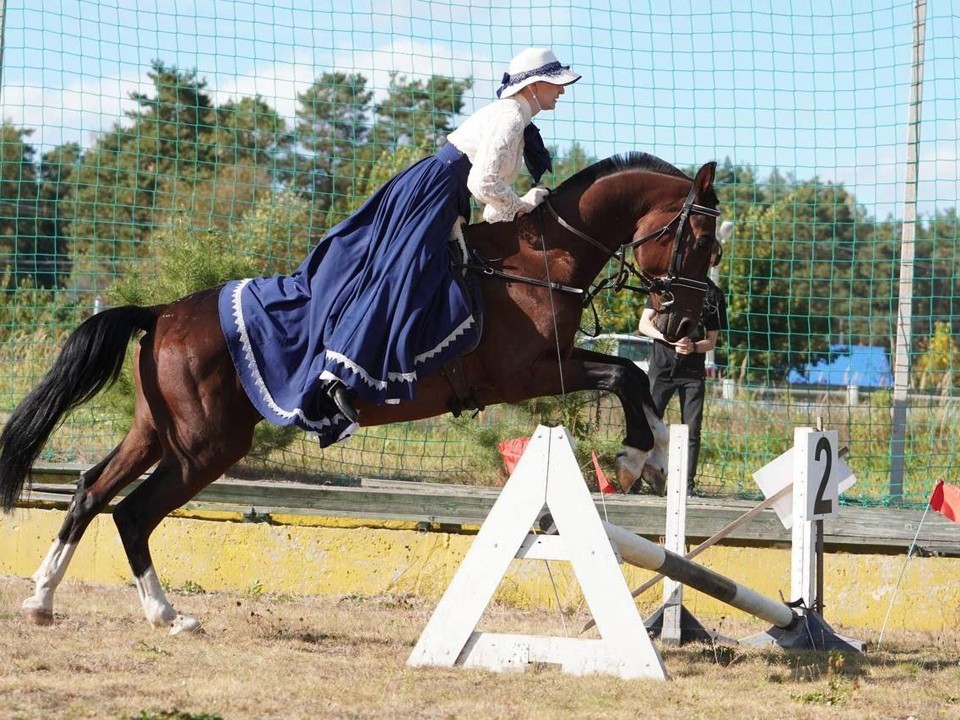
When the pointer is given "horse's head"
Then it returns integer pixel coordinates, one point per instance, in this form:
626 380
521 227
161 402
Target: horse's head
640 202
673 248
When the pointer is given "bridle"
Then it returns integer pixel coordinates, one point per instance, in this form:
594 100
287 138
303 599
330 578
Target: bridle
662 285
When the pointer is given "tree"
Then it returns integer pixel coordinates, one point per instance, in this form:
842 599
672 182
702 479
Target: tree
249 144
415 115
936 290
418 112
249 132
807 267
772 326
737 187
29 232
939 362
130 171
331 132
57 185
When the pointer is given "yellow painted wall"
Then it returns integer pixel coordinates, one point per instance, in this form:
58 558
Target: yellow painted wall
346 556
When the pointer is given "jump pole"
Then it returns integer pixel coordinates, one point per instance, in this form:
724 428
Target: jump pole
643 553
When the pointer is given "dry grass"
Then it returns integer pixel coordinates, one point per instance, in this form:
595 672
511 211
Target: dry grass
311 657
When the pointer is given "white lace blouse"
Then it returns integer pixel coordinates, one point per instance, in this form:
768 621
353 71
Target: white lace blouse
492 138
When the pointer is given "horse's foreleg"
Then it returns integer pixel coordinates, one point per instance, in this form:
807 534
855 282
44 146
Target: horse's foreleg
646 442
97 486
640 460
645 451
650 464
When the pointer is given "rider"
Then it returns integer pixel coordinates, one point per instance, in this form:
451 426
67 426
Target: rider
375 304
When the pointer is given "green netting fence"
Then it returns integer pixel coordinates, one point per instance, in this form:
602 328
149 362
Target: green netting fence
148 147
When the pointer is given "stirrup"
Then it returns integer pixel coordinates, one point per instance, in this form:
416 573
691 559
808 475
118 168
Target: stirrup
342 398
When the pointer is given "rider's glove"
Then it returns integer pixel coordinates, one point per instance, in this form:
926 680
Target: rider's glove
533 197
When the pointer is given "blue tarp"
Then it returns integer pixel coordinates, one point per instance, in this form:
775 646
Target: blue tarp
862 365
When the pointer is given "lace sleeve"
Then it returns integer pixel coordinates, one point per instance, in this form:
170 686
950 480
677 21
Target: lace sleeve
494 168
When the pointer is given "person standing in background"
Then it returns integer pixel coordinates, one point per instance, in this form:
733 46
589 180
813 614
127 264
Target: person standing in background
680 367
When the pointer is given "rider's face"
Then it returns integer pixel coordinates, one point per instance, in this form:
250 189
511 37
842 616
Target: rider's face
546 94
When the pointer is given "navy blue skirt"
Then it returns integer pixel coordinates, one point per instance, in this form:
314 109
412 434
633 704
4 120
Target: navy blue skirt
374 304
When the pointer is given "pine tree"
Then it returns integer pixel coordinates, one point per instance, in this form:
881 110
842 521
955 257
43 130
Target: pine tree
134 169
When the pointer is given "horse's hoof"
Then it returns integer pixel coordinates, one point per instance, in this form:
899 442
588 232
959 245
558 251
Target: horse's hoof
630 462
655 478
626 481
39 616
184 624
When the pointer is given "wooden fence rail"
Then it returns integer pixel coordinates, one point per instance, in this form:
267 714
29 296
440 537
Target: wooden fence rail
463 508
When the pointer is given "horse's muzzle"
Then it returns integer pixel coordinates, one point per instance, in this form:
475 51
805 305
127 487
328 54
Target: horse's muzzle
674 327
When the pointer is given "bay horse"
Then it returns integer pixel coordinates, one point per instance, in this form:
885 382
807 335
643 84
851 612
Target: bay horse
193 421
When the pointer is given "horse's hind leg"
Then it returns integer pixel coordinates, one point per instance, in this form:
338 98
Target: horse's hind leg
96 488
170 485
136 516
204 424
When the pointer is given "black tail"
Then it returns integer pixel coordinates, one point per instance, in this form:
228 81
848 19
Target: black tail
90 360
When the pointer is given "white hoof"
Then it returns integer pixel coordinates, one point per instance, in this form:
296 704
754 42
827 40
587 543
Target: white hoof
37 612
184 624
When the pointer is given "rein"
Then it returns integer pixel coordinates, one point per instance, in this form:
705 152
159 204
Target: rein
482 266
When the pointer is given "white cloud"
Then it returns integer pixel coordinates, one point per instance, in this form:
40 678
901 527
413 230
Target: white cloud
879 178
280 82
75 113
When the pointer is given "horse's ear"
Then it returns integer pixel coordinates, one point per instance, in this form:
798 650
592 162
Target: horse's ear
704 178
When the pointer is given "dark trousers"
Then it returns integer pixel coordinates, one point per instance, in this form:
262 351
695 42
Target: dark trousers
691 391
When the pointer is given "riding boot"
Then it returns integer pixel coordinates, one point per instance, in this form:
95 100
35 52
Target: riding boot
343 398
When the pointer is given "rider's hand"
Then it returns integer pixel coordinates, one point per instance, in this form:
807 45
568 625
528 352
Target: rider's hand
533 197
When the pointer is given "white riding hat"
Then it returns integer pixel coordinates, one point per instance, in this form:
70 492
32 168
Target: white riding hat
535 65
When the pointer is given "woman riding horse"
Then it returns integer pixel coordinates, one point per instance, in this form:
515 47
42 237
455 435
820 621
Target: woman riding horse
375 306
194 419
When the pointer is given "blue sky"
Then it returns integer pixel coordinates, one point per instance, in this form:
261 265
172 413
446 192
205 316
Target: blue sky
811 87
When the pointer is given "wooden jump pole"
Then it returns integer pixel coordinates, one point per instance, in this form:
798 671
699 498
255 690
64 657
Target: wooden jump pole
645 554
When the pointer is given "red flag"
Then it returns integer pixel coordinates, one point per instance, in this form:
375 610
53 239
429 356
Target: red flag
602 482
946 500
511 450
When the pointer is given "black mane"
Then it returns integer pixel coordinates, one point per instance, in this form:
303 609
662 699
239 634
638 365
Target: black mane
619 163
